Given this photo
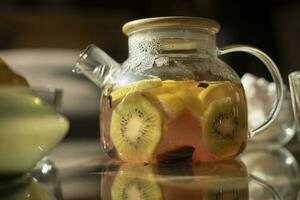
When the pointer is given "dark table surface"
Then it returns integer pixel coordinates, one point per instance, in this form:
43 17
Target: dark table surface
78 170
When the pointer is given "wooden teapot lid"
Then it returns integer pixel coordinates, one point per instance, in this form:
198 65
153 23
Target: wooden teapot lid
171 22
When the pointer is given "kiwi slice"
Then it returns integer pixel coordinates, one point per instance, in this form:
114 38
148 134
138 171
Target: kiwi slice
138 183
139 86
136 128
222 128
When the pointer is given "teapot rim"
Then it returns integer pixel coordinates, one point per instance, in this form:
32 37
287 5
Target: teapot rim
206 24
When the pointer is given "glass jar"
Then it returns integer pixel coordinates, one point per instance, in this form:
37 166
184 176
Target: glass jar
173 99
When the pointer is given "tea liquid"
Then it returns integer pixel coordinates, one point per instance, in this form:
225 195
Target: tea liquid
174 121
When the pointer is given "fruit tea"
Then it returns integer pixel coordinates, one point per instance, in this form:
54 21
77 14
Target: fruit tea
155 121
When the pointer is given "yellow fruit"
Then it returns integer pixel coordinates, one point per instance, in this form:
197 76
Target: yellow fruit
171 103
139 86
191 102
174 96
217 90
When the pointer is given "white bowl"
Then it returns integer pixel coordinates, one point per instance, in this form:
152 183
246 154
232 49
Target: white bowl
29 129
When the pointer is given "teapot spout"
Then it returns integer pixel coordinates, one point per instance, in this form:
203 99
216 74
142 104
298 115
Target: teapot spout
96 65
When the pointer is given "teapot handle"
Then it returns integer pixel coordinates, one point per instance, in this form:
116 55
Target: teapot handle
275 75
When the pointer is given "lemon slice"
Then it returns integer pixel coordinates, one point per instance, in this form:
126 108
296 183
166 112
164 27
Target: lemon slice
174 97
189 99
191 102
171 104
167 86
217 90
139 86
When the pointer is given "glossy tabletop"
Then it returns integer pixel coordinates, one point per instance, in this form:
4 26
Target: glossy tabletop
78 170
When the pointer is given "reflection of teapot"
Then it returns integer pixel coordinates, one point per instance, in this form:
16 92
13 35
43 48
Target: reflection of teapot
213 180
223 180
173 95
275 165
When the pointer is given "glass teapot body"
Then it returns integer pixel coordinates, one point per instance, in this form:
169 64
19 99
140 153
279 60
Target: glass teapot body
173 99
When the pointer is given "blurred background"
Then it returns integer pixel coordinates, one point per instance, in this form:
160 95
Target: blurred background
41 39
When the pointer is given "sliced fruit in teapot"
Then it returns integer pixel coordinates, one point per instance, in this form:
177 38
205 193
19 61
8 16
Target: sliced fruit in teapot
171 104
221 89
139 86
159 117
136 128
223 131
174 96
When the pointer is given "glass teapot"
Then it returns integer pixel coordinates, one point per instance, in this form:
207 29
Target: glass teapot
173 99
